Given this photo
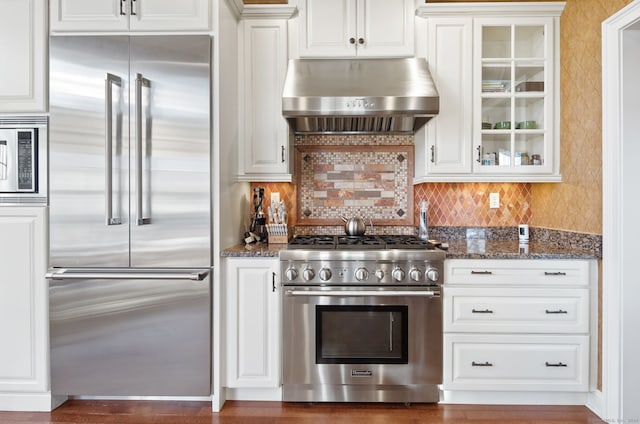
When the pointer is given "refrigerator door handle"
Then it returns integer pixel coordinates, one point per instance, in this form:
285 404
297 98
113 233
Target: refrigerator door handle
140 218
109 274
110 81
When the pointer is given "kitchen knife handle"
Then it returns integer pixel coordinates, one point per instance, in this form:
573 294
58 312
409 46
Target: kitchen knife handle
140 219
109 82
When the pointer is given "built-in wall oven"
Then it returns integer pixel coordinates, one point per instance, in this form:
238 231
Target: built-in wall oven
23 159
362 324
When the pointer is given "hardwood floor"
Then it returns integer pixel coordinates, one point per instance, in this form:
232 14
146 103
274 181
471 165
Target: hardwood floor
236 412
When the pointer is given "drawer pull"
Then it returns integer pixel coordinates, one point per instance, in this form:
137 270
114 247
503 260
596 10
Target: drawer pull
559 273
559 311
559 364
481 272
484 364
482 311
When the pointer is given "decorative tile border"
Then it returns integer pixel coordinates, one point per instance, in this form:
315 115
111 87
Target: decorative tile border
371 182
353 140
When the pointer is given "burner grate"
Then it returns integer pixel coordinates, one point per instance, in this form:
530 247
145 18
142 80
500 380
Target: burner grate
329 242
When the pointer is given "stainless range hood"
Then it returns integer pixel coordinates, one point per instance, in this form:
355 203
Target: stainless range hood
359 95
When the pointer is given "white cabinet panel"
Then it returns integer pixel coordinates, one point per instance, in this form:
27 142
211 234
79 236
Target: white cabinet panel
134 15
522 362
449 136
356 28
252 323
264 153
517 272
23 300
23 38
516 310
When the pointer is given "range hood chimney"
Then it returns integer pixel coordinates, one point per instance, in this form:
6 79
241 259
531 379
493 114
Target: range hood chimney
359 95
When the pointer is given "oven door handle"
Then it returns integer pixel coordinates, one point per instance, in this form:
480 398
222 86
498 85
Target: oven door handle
361 293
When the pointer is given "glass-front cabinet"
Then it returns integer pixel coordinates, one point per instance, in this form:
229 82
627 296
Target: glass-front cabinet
514 96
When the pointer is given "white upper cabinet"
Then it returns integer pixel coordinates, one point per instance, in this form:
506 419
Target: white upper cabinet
263 151
23 40
356 28
496 67
449 137
130 15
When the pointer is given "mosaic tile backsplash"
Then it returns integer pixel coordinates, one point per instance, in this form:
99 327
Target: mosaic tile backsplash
371 182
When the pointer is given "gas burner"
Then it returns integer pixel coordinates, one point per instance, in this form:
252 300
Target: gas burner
406 242
312 242
359 242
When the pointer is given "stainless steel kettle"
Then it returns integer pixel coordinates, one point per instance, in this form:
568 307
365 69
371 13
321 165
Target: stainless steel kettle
354 226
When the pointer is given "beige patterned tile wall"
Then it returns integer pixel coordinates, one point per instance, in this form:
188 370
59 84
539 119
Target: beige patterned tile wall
576 203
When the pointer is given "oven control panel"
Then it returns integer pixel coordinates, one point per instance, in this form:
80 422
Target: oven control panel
361 272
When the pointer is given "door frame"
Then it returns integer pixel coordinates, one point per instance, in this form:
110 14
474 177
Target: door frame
618 288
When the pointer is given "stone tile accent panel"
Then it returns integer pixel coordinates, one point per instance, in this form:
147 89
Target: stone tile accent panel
371 182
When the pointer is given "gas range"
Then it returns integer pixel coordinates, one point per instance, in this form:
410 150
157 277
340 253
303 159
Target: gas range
368 242
370 260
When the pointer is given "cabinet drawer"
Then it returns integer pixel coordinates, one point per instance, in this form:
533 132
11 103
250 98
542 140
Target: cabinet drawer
516 362
516 310
517 272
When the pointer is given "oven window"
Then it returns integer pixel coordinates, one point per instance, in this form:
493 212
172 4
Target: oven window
361 334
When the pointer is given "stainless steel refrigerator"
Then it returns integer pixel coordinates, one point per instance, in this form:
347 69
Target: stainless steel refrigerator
130 215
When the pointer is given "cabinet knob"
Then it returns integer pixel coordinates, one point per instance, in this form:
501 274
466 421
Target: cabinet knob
282 151
122 12
478 149
352 40
433 154
133 10
360 40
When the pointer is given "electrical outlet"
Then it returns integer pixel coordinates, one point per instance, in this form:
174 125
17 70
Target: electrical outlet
275 198
494 200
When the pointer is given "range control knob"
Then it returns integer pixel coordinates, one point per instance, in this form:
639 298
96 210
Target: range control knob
291 273
361 274
415 274
379 274
398 274
324 274
308 274
432 274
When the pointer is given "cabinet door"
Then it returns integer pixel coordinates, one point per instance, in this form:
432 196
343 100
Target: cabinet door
253 322
514 102
169 15
23 300
83 15
264 134
449 135
385 28
22 42
327 28
134 15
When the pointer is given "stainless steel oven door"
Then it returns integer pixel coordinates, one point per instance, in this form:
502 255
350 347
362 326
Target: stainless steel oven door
362 344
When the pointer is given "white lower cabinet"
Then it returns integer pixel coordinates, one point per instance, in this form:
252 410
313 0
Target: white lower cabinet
24 325
517 325
516 362
252 323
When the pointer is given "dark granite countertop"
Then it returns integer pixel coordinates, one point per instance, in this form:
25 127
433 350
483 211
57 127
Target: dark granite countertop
511 249
458 249
255 250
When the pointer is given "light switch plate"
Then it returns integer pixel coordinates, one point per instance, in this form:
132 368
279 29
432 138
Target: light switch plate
275 197
494 200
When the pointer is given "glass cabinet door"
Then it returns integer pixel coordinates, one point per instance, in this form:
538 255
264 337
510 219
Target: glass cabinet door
513 96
